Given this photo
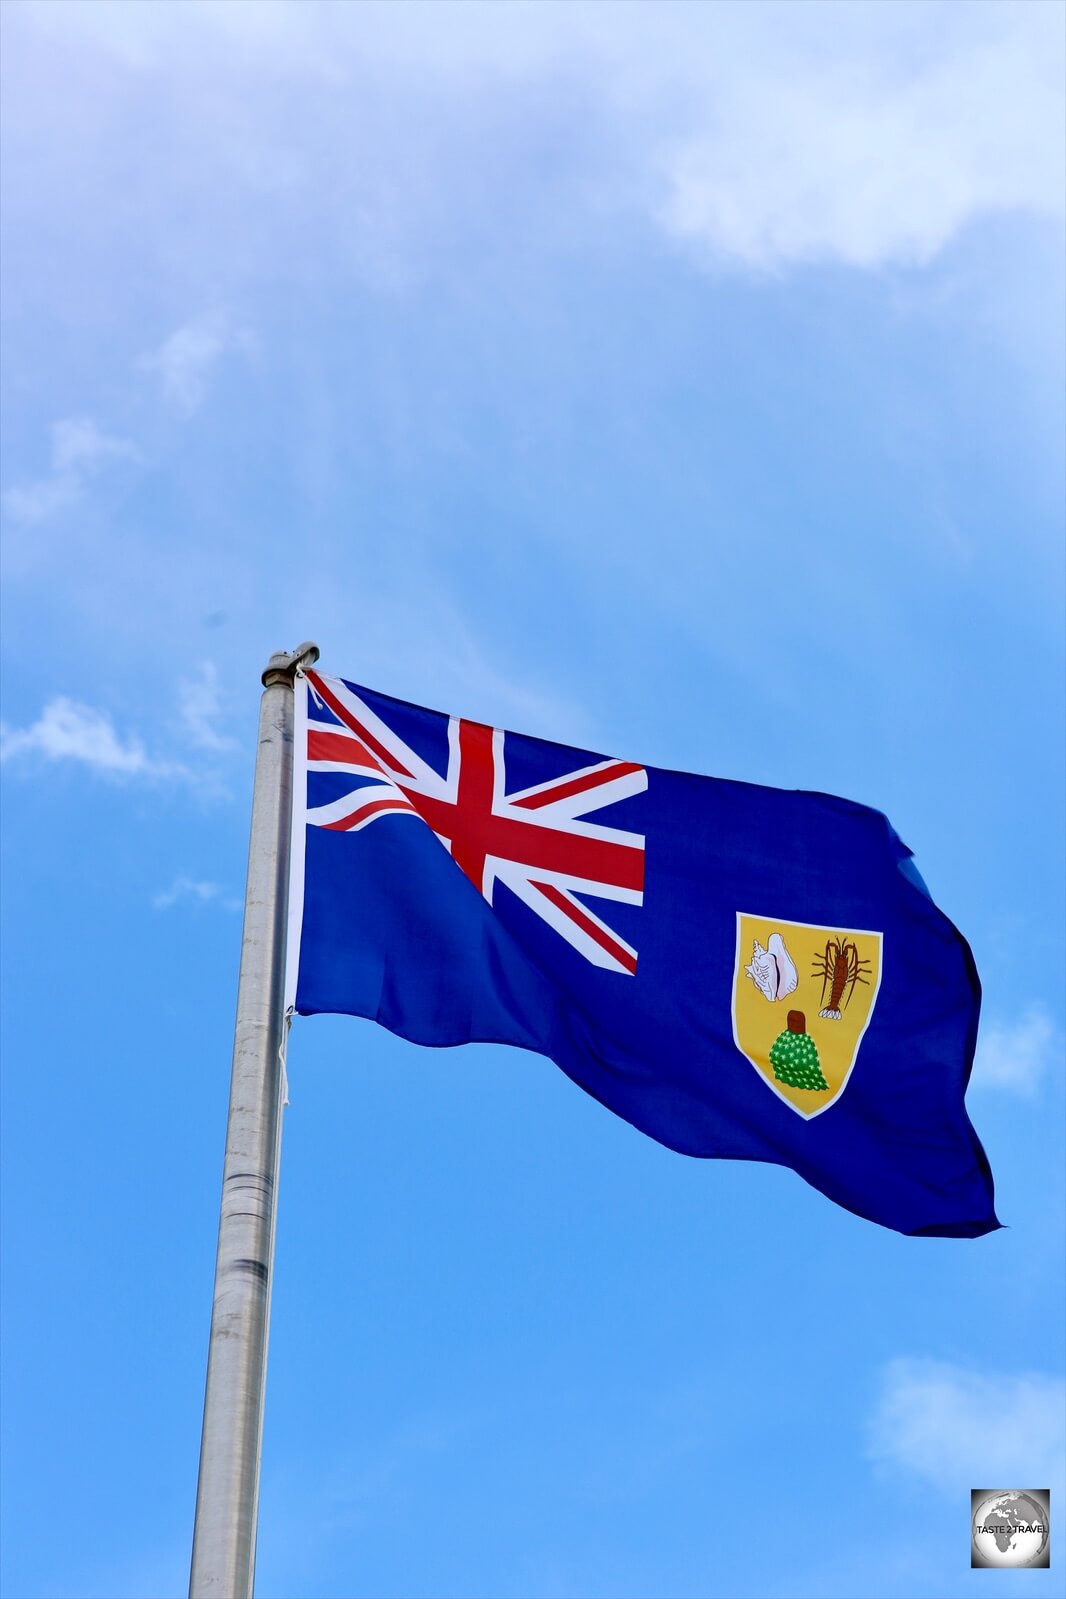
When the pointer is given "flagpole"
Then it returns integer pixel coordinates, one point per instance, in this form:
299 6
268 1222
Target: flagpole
227 1497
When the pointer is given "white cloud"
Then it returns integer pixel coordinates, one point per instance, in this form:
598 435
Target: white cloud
186 360
199 892
863 160
199 707
31 503
1012 1057
69 731
79 451
764 135
78 446
959 1429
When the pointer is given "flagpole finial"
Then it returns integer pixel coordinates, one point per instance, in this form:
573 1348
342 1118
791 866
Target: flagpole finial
282 666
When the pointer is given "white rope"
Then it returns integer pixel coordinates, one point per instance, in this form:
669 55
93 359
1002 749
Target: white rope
314 692
283 1050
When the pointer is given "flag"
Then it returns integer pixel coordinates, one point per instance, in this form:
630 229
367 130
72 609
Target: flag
738 971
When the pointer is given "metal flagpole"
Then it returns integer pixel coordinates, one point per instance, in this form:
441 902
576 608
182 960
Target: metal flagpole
223 1551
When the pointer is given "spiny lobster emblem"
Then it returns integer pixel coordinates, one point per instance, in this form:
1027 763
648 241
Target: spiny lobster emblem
840 968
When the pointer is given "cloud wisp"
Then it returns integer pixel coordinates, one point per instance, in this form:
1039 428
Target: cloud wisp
955 1428
68 730
199 708
196 891
186 360
1014 1057
79 452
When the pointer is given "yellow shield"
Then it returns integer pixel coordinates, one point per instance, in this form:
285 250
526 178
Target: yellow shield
803 997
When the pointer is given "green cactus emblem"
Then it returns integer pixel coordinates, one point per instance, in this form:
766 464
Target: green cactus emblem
794 1056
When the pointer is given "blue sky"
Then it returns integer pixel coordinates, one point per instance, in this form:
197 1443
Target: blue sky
679 381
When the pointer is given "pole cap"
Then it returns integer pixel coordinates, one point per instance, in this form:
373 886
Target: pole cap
281 667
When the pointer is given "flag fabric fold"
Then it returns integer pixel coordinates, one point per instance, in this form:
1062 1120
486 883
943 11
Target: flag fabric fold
737 971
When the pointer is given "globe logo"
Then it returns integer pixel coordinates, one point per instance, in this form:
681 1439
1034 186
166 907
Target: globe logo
1010 1528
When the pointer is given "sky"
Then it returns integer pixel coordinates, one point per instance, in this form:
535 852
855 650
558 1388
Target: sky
679 381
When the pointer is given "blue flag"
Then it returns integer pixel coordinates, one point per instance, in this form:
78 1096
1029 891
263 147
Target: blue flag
738 971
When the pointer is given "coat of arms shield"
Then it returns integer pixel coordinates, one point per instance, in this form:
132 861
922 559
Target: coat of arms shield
803 997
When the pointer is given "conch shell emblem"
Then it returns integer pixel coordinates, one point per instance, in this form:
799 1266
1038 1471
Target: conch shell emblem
772 970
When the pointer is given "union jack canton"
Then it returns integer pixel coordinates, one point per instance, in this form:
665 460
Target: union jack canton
534 839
